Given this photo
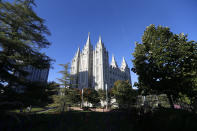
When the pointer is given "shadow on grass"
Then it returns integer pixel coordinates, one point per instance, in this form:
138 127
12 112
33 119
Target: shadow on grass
100 121
73 121
168 120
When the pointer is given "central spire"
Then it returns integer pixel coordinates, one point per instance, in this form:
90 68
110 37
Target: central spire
100 40
99 43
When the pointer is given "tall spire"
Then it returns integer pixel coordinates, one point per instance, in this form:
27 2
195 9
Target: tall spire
100 40
88 39
99 43
78 52
113 62
124 64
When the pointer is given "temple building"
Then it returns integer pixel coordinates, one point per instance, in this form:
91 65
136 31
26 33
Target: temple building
90 68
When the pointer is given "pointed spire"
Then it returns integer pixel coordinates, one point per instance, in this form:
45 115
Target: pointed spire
113 62
88 39
124 64
100 40
78 52
99 43
123 60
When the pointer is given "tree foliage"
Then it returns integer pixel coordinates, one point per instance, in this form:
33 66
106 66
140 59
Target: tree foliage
66 77
69 97
166 63
52 91
22 36
102 94
91 95
36 94
124 94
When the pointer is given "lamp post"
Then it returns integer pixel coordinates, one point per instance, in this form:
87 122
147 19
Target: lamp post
106 96
82 98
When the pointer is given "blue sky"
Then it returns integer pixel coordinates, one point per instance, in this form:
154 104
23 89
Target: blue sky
119 22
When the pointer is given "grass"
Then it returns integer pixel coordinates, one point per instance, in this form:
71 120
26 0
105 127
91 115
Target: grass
169 119
33 109
69 121
161 120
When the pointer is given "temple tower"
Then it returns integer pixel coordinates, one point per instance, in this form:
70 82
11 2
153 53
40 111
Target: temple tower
100 66
86 65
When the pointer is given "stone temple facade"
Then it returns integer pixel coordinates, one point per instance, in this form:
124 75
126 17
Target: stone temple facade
90 68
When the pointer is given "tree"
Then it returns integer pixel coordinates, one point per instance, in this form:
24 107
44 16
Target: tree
52 90
71 96
123 93
166 63
36 94
66 77
22 36
74 95
91 95
102 96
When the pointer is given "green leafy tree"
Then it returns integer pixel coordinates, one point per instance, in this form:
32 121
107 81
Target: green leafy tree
22 36
90 95
102 96
124 94
166 63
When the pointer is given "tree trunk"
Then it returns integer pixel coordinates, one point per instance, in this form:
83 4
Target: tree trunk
63 107
170 101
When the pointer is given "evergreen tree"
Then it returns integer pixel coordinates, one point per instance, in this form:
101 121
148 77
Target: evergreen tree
22 36
166 63
66 77
70 97
53 93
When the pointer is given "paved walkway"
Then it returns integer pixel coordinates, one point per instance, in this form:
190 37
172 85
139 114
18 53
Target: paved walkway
95 110
47 109
75 109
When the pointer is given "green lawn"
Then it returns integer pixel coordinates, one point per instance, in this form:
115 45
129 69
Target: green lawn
73 121
33 109
162 120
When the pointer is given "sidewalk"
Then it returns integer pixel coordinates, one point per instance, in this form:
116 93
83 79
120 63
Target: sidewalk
95 110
